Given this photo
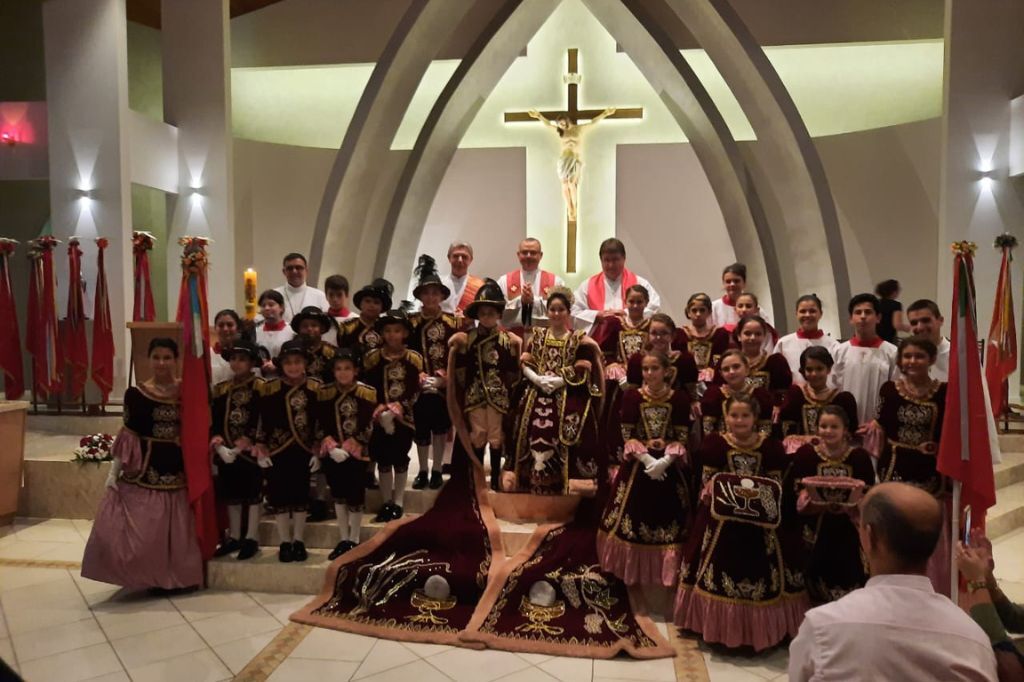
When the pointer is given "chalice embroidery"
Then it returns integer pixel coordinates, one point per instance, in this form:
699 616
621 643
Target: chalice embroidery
739 496
540 616
427 606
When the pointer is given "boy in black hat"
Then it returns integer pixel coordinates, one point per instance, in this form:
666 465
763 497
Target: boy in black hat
485 365
311 324
233 431
345 420
431 330
360 333
286 445
395 372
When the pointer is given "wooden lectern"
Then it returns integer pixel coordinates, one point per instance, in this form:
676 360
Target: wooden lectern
12 435
141 334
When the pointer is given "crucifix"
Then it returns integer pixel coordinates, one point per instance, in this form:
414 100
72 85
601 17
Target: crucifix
570 163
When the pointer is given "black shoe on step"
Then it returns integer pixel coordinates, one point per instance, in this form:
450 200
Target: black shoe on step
341 548
299 551
384 515
284 553
227 547
436 481
396 512
420 482
250 548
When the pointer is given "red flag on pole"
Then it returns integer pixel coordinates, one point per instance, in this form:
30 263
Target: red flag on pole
41 338
195 390
1001 349
102 329
143 310
10 339
74 345
964 453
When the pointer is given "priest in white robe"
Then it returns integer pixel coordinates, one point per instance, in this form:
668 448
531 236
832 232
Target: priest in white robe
605 293
528 286
297 294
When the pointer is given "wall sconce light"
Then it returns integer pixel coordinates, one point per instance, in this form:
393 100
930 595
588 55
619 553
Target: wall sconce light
84 195
8 138
987 178
195 194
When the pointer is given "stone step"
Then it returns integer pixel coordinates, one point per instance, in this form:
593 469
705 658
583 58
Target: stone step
1008 513
74 423
1010 470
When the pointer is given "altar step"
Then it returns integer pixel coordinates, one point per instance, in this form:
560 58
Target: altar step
264 573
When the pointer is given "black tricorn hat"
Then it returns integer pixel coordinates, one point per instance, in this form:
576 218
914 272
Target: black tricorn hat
380 289
488 295
245 346
399 315
312 312
426 274
293 347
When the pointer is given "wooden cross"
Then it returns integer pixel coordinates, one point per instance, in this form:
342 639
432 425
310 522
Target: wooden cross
574 114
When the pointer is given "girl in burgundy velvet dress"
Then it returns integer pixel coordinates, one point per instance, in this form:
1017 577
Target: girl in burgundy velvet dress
701 338
682 371
734 369
835 563
767 371
798 417
741 580
644 521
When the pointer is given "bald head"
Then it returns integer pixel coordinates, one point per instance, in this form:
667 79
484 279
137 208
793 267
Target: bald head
903 522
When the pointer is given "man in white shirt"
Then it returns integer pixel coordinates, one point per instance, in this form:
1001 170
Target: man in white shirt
896 627
926 320
462 284
297 294
866 361
604 294
526 289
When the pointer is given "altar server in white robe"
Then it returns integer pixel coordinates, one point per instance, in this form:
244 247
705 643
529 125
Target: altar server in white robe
734 283
297 294
866 361
528 285
807 334
604 294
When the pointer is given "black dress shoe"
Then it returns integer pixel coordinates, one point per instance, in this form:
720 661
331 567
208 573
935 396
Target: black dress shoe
384 515
227 547
436 481
341 548
299 551
284 553
250 548
396 512
420 482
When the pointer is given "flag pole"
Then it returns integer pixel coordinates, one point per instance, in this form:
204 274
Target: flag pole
954 576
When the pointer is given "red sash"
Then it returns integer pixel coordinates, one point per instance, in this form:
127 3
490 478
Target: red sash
473 285
514 284
595 289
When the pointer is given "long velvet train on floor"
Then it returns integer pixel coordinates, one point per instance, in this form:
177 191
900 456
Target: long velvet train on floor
376 588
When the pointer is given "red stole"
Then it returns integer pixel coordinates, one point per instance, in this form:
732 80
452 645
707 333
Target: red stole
514 284
473 285
595 289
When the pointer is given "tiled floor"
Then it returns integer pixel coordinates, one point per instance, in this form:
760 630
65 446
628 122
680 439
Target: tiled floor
56 625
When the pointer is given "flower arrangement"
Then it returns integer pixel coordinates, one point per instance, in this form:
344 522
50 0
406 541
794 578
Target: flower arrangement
964 248
102 243
94 448
7 246
1006 241
142 241
193 257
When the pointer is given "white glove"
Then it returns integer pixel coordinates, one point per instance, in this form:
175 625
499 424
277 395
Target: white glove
226 454
115 472
387 422
552 384
536 379
657 470
339 455
430 384
623 380
314 464
264 462
646 459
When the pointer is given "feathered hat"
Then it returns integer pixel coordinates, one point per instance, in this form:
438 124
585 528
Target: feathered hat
426 275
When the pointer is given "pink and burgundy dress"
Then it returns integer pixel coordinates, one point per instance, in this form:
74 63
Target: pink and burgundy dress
706 348
741 580
645 520
619 341
798 417
770 372
144 534
836 565
712 408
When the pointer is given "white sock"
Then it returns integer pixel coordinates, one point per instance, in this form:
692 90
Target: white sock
253 532
387 485
447 452
283 527
400 479
355 524
423 454
299 521
341 511
235 521
438 442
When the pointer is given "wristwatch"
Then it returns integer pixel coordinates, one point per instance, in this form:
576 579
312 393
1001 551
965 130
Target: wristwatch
975 585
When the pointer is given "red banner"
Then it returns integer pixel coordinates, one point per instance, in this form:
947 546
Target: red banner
74 348
195 391
10 339
102 330
1001 349
143 310
41 337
